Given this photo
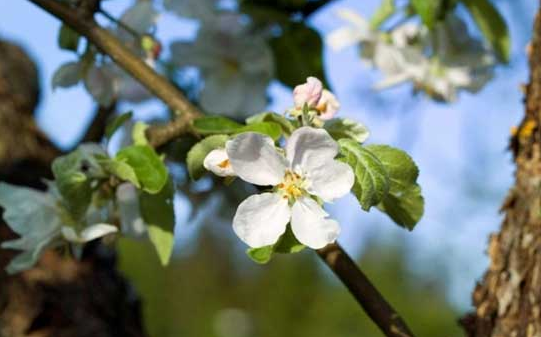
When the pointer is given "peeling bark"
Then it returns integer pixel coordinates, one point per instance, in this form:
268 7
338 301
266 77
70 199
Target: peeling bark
508 299
60 297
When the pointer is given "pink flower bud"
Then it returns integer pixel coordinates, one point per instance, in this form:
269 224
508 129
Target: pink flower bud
327 105
308 93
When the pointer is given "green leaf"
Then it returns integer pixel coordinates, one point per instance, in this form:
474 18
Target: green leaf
271 129
492 25
371 179
147 165
122 170
34 216
197 154
384 11
159 215
138 133
404 202
340 128
298 54
213 125
427 10
288 243
68 75
116 123
260 255
68 39
72 183
285 124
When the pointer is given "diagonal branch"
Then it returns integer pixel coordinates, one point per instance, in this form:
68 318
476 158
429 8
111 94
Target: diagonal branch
366 294
333 255
108 44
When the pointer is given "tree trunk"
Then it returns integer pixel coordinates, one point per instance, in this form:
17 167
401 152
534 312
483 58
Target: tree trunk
60 297
508 299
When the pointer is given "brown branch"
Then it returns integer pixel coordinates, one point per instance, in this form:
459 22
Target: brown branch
133 65
96 130
333 255
373 303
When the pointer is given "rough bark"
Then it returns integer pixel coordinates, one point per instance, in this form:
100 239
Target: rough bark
508 299
60 297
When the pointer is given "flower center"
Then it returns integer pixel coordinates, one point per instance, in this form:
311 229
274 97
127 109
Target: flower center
224 164
292 186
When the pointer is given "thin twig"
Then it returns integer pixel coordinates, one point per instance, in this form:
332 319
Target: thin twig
133 65
333 255
375 305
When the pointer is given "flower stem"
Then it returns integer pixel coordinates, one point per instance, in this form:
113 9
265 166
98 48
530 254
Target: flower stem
366 294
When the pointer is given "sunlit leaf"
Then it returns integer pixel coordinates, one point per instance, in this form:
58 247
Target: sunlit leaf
427 10
340 128
371 179
158 213
72 182
384 11
286 125
215 125
147 165
260 255
404 202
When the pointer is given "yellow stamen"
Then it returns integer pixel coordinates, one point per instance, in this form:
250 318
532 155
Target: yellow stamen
224 164
293 185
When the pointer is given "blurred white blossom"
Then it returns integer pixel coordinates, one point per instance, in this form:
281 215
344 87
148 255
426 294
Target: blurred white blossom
439 63
236 65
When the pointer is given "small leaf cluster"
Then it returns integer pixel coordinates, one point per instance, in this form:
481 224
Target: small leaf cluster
93 195
486 16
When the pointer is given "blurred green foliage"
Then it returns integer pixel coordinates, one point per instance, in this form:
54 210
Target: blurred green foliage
215 291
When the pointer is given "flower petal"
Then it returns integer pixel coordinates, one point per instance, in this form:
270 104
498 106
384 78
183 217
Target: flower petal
328 105
88 234
308 93
330 180
310 226
261 219
344 37
254 159
310 144
97 231
218 163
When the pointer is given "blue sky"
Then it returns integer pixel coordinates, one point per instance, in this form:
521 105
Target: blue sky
460 148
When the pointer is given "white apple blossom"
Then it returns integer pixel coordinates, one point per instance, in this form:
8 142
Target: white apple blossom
218 163
307 170
358 30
